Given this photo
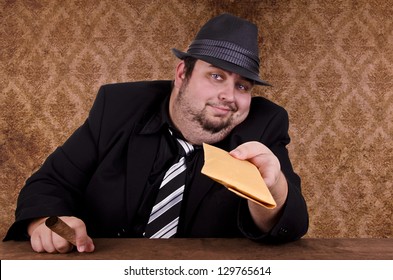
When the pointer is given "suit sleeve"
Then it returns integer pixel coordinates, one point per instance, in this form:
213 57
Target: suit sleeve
57 187
293 223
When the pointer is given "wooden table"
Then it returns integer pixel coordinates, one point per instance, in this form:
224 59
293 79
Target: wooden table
214 249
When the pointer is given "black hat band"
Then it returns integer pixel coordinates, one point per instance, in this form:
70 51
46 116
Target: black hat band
225 51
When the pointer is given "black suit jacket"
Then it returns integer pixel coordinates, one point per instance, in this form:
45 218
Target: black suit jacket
100 172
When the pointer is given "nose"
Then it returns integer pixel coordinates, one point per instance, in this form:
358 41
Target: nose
227 92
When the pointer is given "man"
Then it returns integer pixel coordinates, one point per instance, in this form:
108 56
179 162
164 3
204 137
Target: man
107 178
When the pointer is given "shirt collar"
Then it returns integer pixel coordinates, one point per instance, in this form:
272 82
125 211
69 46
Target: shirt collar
160 120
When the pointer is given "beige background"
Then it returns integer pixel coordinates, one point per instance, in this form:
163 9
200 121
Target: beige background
330 63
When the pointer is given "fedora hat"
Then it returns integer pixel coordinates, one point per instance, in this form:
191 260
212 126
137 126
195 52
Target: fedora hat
230 43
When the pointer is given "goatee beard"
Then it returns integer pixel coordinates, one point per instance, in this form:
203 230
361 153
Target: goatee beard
210 126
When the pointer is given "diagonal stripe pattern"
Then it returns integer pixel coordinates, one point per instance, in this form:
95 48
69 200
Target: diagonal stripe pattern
164 217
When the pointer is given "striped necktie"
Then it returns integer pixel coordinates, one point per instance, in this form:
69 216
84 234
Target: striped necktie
164 216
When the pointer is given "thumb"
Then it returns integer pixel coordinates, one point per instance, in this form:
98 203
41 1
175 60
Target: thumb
83 242
248 150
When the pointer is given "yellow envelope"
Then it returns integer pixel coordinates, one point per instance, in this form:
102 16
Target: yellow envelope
239 176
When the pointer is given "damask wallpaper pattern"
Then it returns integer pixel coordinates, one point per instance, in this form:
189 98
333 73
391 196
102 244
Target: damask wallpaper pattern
330 63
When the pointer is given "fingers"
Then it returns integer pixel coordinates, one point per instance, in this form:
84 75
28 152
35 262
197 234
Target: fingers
35 242
45 240
60 244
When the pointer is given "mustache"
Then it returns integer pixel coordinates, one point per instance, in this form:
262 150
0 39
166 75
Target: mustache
228 105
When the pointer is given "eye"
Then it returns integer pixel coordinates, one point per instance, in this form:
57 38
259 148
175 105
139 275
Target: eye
244 87
216 76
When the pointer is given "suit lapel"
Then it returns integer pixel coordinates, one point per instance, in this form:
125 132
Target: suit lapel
142 150
198 189
201 184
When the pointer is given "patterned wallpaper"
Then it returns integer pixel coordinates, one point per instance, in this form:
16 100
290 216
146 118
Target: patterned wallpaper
330 63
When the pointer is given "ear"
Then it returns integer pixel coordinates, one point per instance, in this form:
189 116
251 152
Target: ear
179 75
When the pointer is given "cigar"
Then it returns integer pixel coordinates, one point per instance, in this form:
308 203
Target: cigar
58 226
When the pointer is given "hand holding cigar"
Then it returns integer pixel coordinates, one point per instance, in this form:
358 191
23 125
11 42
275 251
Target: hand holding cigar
58 226
68 228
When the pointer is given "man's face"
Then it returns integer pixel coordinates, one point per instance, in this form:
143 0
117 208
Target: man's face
212 101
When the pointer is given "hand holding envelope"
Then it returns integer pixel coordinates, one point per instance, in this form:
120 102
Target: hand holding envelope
239 176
